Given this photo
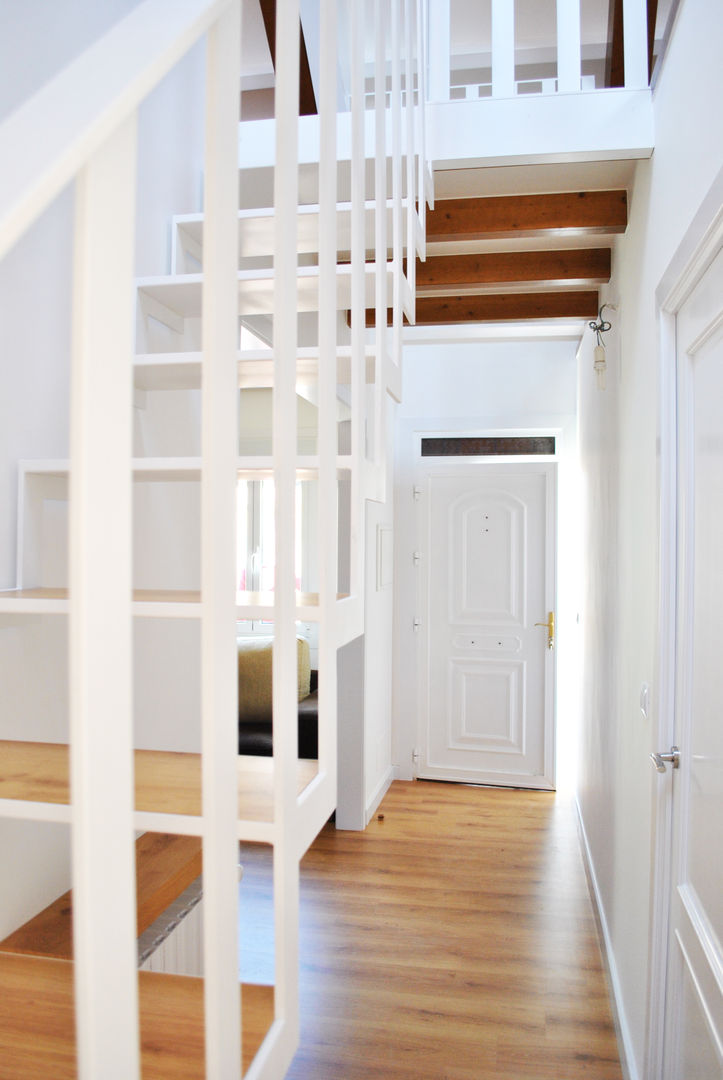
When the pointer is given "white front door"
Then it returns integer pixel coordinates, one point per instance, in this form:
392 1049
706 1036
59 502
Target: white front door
488 702
694 991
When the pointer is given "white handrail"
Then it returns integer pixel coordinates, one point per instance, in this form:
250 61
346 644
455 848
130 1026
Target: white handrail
53 134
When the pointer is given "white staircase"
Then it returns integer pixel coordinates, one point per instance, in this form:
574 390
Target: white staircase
89 548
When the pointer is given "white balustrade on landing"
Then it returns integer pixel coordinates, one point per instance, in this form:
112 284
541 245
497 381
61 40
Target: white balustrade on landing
566 33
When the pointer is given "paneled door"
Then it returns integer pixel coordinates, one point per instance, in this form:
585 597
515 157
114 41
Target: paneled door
694 991
488 700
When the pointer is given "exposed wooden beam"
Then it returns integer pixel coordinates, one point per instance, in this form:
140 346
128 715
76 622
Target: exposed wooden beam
528 215
501 307
307 98
590 265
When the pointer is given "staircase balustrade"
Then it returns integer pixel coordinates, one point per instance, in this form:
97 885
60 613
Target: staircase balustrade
65 134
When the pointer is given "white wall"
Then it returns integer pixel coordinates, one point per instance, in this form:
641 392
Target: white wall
38 38
473 387
618 433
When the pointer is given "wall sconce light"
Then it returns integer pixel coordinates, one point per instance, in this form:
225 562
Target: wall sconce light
600 362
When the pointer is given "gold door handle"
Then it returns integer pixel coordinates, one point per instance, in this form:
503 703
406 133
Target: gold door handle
550 626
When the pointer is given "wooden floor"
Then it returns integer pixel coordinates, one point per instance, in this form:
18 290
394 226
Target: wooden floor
453 940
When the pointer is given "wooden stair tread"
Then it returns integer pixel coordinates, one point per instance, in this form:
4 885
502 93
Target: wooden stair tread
165 866
37 1037
166 782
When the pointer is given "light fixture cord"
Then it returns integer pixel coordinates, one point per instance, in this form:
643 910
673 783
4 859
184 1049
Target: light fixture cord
601 326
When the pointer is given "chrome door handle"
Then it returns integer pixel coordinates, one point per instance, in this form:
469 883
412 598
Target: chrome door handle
659 760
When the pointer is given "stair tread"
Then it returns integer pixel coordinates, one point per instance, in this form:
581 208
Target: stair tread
256 227
37 1038
166 782
165 866
181 294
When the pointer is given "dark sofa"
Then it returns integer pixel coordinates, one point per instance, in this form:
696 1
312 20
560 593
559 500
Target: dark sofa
255 657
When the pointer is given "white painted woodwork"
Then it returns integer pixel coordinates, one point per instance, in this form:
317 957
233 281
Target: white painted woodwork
328 439
635 44
256 231
537 128
100 636
382 298
285 747
503 49
180 295
49 138
182 371
568 46
282 802
219 444
694 1001
489 544
439 54
395 358
358 314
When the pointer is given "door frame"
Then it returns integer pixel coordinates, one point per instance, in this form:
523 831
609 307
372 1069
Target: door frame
459 466
693 257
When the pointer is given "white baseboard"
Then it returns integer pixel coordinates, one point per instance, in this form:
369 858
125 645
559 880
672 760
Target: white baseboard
380 791
625 1045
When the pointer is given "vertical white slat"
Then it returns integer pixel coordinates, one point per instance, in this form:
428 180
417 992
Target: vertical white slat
286 865
635 47
503 48
219 449
409 116
358 297
100 627
381 11
568 46
328 439
440 50
397 224
421 143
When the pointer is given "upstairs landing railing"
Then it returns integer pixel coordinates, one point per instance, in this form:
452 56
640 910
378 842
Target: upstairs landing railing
566 34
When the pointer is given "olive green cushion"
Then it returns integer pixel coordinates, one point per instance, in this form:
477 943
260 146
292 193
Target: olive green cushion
254 676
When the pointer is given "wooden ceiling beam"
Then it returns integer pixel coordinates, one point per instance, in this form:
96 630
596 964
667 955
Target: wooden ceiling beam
501 307
591 265
528 215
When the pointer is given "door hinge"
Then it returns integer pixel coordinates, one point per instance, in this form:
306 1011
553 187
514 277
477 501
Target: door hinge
416 493
416 557
417 622
415 755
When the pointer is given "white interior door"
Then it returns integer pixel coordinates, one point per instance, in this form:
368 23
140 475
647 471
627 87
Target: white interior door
694 991
488 699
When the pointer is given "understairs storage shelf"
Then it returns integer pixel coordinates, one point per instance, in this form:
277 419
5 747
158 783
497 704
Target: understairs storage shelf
96 560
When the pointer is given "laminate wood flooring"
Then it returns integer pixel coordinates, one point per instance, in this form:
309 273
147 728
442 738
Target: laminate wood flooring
454 939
